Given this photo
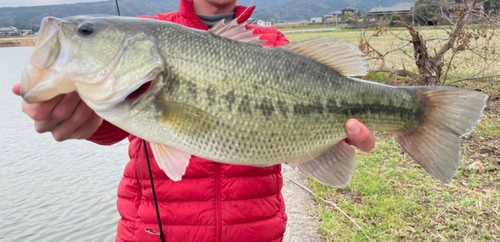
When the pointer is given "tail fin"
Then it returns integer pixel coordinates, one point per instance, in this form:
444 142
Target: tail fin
449 113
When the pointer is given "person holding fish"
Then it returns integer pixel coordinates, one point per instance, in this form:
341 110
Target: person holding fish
220 112
213 201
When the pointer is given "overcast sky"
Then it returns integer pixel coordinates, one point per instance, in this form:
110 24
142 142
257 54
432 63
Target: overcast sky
17 3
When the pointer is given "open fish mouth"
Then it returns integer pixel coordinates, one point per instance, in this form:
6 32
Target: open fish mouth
146 87
138 92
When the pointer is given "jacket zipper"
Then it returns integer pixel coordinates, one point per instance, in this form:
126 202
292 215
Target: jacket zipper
218 225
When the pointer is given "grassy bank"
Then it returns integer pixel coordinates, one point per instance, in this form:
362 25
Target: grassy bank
17 41
393 199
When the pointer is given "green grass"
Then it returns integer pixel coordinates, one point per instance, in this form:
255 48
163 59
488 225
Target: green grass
489 127
393 199
377 76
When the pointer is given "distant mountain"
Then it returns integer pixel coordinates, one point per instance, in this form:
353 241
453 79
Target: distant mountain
291 10
287 10
35 14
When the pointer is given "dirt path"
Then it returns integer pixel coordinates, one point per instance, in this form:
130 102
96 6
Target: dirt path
300 208
13 42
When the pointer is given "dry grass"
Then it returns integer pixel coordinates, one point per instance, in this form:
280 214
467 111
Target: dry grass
17 41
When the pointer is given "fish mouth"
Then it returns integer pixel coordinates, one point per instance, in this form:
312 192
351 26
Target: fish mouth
144 88
139 91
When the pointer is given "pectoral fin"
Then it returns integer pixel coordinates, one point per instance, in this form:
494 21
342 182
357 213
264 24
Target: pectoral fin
185 118
335 167
171 160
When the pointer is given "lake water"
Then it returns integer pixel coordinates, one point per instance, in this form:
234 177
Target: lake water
51 191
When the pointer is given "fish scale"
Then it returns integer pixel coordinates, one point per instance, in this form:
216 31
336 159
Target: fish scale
305 122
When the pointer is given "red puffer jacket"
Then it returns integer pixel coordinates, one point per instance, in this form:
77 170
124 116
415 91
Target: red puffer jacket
214 201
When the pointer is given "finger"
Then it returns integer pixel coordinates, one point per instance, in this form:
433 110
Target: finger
359 135
16 89
65 129
66 107
61 112
88 128
40 111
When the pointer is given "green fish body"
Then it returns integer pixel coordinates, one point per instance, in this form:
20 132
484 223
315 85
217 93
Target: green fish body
221 96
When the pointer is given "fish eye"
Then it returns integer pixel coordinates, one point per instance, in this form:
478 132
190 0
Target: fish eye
86 29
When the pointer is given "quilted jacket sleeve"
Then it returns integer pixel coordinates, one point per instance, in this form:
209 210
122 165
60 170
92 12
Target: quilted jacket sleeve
108 134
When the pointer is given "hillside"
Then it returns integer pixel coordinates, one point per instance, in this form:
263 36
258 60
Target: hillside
288 10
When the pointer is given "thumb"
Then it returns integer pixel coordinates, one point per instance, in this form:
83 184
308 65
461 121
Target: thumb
359 135
16 89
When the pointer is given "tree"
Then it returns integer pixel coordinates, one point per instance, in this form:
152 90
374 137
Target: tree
432 64
347 16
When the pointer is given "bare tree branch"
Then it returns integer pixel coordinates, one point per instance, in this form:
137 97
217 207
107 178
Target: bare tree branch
443 15
475 77
471 79
462 20
449 65
434 39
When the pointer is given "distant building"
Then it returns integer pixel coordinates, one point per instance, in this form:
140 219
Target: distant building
328 18
9 31
317 20
352 11
265 22
337 14
340 14
402 8
26 32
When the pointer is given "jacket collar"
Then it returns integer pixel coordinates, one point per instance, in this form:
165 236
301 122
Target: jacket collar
241 13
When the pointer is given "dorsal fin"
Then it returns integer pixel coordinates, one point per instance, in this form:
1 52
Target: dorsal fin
339 55
235 31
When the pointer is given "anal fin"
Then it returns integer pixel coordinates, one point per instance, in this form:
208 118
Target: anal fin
171 160
335 167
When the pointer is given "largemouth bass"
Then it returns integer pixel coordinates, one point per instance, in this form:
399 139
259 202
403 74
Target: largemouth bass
219 95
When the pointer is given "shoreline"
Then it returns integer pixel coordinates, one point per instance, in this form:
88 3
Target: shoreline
17 42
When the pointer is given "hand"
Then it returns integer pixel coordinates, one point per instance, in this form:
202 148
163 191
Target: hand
359 135
65 116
